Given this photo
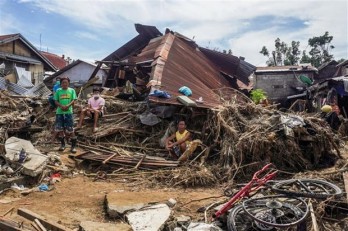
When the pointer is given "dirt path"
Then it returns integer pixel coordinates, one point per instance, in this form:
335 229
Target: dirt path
80 199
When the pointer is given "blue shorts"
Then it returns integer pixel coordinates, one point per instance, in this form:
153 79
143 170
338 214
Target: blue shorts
64 122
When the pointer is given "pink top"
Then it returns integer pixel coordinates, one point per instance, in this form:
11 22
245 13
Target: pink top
95 104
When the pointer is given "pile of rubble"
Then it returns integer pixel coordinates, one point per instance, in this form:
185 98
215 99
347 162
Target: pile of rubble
236 139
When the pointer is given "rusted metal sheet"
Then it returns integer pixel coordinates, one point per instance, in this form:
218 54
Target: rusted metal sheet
230 64
187 66
146 33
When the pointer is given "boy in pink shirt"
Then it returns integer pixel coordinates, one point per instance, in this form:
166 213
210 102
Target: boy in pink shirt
94 109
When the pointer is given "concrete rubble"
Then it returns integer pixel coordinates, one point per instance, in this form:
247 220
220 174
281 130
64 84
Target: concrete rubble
152 218
34 165
98 226
202 227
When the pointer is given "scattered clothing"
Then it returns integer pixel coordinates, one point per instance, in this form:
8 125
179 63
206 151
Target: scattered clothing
160 94
185 90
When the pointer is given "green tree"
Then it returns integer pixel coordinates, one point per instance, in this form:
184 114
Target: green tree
282 54
320 49
305 58
293 54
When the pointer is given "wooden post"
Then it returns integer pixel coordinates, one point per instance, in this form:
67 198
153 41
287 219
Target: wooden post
314 220
51 225
109 158
345 181
38 223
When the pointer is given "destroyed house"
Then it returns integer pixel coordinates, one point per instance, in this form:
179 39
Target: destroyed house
152 61
279 82
333 91
21 62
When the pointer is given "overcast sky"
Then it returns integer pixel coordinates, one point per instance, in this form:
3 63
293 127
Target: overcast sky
92 29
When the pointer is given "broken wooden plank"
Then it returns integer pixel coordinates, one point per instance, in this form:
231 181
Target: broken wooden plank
8 227
51 225
140 161
8 211
345 181
38 223
314 220
109 158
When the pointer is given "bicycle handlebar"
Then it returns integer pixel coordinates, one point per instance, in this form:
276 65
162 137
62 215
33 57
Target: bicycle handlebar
248 188
256 174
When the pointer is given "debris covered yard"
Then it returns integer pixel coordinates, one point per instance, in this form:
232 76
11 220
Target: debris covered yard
247 166
122 168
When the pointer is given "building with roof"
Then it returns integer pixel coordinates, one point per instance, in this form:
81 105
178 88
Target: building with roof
166 62
20 59
79 72
58 61
279 82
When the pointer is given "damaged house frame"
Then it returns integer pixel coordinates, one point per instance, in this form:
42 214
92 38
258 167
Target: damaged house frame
153 61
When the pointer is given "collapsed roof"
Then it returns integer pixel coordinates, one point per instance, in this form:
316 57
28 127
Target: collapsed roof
174 61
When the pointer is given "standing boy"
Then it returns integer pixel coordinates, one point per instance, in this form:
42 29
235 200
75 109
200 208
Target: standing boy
65 98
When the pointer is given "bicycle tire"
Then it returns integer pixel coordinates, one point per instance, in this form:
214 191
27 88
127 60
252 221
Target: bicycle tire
331 189
279 211
236 214
238 220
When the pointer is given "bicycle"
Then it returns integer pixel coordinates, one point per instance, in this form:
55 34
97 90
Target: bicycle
271 212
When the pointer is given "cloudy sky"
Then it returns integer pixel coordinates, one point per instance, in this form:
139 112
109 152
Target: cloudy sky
92 29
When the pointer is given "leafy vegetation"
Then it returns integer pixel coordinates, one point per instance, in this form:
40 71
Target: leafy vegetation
258 95
284 54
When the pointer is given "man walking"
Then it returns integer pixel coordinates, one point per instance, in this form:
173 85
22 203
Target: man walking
64 99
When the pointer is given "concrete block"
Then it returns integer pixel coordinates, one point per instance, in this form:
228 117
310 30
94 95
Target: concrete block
152 218
171 202
97 226
32 167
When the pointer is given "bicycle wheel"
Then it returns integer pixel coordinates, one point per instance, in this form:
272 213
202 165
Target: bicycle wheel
311 188
238 220
276 211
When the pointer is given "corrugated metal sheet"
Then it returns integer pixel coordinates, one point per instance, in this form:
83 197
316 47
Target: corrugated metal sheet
12 87
23 82
230 64
146 33
187 66
39 90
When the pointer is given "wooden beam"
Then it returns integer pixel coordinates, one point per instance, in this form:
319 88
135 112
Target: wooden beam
38 223
345 180
314 219
109 158
51 225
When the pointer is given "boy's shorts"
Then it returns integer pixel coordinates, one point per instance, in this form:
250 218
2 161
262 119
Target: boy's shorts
64 122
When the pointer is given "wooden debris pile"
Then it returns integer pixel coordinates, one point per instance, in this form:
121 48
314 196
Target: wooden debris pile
250 133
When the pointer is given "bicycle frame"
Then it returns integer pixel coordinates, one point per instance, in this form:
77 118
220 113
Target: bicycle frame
252 186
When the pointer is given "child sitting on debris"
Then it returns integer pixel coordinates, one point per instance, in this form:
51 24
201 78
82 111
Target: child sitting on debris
94 110
182 137
64 99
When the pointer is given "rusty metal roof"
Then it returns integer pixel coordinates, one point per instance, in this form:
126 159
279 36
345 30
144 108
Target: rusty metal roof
146 33
181 64
230 64
58 61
